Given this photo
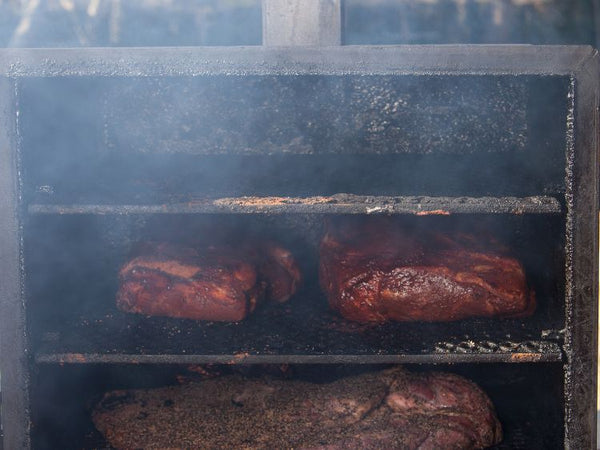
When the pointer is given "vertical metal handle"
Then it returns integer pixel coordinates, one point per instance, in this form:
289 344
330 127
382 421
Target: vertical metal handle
301 22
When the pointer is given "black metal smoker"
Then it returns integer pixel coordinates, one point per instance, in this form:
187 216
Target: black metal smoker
100 148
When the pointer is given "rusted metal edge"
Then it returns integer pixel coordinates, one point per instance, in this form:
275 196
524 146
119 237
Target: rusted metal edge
335 204
245 358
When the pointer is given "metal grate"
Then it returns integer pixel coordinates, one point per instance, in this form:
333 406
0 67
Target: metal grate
334 204
301 331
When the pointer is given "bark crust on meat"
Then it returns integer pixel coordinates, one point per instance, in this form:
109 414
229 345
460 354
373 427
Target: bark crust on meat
392 409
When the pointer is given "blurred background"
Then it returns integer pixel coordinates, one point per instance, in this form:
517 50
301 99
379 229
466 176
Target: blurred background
82 23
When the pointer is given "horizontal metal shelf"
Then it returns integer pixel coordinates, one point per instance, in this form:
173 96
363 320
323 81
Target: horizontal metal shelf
302 331
334 204
551 354
259 60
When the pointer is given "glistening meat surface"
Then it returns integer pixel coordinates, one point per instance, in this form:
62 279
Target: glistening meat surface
212 283
392 409
376 271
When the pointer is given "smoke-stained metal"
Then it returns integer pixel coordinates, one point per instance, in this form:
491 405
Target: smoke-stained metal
334 204
582 256
358 60
14 349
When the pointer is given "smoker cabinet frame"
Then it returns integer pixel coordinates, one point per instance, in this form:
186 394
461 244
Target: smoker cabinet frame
579 64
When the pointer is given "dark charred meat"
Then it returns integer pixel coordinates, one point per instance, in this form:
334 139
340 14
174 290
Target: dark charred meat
392 409
277 267
377 271
215 283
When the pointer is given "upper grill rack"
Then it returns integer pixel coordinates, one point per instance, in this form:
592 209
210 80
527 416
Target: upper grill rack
334 204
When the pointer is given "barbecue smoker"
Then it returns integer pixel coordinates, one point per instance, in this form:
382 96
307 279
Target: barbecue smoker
104 148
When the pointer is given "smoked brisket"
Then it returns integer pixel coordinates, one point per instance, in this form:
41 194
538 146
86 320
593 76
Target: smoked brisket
392 409
376 271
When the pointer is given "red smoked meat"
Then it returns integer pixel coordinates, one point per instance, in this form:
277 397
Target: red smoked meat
378 271
212 283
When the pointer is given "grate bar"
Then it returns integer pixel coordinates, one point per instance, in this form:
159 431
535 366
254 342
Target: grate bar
243 358
334 204
304 332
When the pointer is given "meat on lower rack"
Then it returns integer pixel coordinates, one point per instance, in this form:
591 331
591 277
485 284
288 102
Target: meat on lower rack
392 409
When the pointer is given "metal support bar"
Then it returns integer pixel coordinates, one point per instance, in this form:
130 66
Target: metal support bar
260 60
301 22
581 253
13 353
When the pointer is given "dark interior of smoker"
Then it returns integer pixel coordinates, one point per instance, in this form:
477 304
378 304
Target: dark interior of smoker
96 151
527 396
